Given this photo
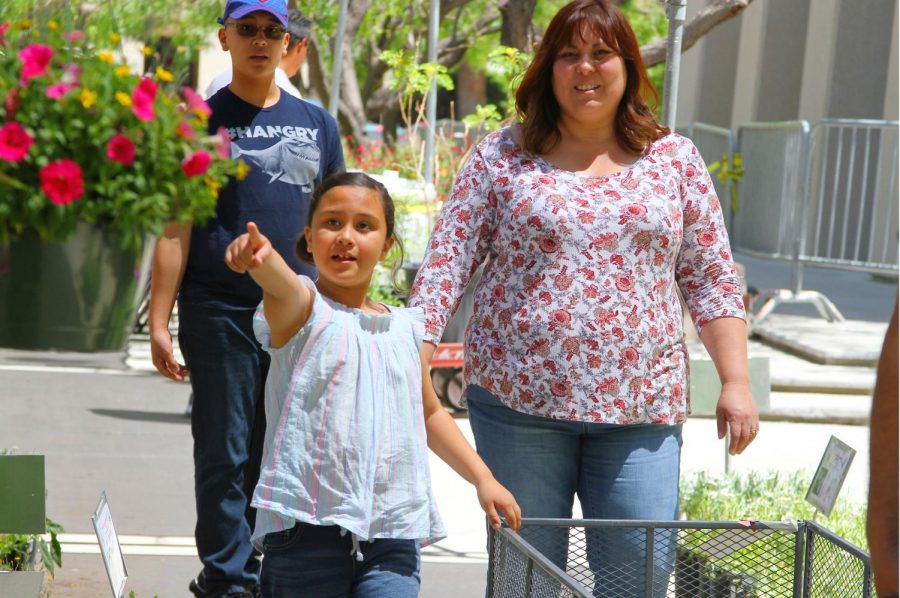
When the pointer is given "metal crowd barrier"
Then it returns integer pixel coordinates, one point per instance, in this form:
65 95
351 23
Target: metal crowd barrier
826 198
681 559
851 218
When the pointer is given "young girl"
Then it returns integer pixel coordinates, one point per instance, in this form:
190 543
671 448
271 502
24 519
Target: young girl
344 496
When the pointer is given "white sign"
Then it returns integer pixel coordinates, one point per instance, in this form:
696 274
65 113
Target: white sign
829 478
109 547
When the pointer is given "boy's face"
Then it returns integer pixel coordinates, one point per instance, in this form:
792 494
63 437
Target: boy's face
257 55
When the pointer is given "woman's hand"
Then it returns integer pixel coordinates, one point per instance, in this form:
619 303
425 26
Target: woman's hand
493 498
736 412
248 251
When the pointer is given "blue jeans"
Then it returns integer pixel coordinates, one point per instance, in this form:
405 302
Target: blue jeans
316 561
228 371
617 471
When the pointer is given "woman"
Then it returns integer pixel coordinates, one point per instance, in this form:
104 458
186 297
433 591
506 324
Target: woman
592 216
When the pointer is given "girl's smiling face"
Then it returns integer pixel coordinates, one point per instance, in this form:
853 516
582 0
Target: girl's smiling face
347 237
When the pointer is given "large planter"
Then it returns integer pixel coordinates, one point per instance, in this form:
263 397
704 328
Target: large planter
79 295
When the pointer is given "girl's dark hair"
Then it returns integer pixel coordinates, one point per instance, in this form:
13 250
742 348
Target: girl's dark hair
354 179
536 105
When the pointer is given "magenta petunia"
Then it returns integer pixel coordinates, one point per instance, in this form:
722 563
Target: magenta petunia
35 60
121 149
196 163
11 102
3 28
14 142
196 104
142 99
186 131
224 147
62 181
57 90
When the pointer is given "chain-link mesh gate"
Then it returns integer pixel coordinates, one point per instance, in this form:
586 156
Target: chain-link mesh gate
682 559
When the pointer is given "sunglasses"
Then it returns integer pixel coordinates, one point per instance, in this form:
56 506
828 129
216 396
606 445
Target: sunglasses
248 30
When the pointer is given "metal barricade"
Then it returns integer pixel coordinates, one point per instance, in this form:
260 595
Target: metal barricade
716 147
851 219
772 203
681 559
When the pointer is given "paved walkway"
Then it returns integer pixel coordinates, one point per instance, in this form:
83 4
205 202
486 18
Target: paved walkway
108 425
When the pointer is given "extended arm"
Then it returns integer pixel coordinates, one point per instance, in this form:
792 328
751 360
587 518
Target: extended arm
448 443
286 301
881 521
726 342
169 261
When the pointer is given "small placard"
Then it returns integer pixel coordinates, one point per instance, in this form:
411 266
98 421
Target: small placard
109 547
830 474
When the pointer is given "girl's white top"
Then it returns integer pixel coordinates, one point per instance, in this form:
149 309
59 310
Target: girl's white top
345 438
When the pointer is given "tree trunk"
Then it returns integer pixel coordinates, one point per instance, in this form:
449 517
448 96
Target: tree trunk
516 30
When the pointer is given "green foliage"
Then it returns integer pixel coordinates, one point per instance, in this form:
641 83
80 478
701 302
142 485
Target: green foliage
16 550
772 496
100 102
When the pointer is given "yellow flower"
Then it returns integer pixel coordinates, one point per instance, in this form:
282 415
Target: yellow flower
213 185
123 98
242 170
164 75
25 24
123 70
115 38
52 25
147 50
88 97
106 57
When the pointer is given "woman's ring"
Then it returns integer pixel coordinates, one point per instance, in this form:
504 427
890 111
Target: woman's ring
753 432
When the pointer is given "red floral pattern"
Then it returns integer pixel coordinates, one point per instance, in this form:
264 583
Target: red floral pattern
577 316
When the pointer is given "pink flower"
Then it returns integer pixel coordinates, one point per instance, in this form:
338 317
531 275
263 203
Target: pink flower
560 388
72 75
57 90
224 147
11 102
121 149
73 36
3 28
35 60
196 164
196 103
630 354
62 181
186 131
561 316
706 238
14 142
142 99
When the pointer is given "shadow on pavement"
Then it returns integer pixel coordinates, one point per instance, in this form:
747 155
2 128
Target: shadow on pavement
144 416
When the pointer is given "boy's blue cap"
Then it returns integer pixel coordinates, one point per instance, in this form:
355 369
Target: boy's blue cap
237 9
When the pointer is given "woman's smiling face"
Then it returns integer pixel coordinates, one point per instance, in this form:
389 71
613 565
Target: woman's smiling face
588 80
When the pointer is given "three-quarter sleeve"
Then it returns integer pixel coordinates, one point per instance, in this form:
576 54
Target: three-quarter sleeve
459 243
705 270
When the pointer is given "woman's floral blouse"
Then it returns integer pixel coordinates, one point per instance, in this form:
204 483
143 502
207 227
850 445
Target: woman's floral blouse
576 316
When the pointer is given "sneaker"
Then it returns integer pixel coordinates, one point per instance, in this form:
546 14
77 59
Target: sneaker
198 585
198 589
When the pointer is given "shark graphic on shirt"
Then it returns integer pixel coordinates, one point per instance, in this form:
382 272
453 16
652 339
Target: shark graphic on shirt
292 160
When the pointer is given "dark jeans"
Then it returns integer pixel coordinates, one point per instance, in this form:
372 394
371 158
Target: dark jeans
318 562
228 371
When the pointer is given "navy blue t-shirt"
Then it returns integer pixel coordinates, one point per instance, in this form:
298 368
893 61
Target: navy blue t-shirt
290 147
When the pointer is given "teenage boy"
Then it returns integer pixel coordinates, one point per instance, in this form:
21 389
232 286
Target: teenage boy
300 28
289 145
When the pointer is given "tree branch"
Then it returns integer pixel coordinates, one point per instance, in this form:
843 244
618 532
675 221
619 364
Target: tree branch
707 18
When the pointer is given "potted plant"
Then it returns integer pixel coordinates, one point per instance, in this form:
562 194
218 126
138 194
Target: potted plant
25 557
94 160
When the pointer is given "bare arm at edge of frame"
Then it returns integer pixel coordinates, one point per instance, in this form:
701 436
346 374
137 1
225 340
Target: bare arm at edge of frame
169 262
